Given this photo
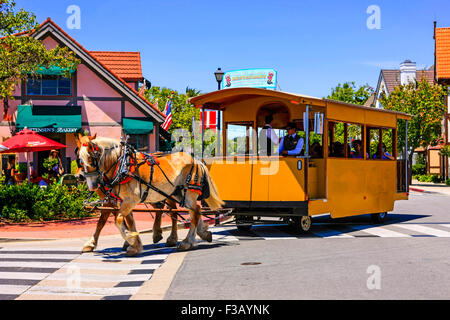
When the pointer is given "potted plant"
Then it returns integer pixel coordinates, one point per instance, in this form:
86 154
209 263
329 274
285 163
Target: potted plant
21 171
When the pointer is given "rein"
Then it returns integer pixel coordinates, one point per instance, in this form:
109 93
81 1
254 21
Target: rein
126 167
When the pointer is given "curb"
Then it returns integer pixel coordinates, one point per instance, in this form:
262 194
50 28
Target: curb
417 190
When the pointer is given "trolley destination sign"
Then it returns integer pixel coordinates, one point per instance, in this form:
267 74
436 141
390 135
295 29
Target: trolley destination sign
253 78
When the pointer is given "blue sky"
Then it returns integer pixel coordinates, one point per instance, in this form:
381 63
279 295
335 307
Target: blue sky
314 45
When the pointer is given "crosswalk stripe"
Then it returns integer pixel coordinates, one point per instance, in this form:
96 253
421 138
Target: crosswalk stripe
23 275
107 266
272 234
379 231
27 264
425 230
329 233
100 277
12 289
37 256
37 290
222 234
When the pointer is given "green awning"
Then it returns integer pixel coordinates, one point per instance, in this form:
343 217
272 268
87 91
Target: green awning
54 70
137 126
59 119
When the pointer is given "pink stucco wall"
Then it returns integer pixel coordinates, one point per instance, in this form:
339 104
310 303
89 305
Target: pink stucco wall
100 111
89 84
104 116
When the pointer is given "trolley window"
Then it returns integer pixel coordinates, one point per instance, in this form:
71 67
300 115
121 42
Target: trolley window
345 140
381 142
239 138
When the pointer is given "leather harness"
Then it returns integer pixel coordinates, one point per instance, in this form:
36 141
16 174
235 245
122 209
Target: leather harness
127 166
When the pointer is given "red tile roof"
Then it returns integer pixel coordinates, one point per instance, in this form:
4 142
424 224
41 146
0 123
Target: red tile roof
102 64
126 65
442 36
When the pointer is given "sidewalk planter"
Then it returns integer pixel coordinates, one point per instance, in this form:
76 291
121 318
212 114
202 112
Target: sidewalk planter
30 202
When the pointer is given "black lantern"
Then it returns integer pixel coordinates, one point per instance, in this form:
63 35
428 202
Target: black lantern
219 77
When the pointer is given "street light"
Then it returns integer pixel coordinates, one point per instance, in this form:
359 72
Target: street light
219 77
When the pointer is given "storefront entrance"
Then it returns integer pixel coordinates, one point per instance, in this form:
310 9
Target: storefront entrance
40 156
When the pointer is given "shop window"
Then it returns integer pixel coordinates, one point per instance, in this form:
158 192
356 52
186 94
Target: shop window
49 85
139 141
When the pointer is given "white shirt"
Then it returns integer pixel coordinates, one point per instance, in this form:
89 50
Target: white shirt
271 134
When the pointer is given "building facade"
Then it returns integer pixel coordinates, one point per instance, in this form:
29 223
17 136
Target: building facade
101 97
442 76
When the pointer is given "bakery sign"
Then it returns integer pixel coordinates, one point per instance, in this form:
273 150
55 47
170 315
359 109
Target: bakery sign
253 78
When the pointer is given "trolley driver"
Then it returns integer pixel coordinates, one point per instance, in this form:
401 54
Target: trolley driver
292 143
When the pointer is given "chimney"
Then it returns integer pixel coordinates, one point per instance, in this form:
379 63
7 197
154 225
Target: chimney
407 72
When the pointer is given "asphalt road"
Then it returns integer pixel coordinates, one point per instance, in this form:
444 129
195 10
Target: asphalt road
406 260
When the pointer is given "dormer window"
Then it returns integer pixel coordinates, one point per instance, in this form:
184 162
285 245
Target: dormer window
49 85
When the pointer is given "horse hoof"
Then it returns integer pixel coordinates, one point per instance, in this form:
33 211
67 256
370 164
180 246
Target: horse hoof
171 243
184 246
208 236
125 246
157 238
131 252
87 249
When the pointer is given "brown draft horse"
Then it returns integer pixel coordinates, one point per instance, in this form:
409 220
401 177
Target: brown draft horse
170 178
91 244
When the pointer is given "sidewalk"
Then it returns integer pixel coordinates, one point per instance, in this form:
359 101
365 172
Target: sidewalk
81 228
429 187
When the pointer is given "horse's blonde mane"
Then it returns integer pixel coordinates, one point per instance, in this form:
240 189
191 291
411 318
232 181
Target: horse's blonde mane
110 149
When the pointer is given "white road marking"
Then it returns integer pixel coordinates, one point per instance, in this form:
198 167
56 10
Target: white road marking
328 233
222 234
23 275
46 290
425 230
379 231
12 289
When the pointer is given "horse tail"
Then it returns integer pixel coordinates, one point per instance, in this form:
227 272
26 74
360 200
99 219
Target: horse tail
213 200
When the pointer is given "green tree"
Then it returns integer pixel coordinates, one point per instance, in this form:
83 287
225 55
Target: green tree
348 92
182 110
20 54
425 102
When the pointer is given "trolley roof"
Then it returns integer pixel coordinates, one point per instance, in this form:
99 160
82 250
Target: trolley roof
218 100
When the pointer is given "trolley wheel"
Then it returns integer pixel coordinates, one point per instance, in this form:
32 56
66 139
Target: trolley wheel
379 217
301 224
244 223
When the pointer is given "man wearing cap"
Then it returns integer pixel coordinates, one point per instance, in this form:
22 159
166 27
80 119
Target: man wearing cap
292 143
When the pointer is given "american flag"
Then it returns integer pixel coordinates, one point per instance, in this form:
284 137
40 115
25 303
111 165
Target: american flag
168 113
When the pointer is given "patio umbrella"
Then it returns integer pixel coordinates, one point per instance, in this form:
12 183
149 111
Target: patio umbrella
29 141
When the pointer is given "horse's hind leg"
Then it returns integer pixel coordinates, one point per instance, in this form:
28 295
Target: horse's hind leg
202 230
157 231
130 225
194 210
172 240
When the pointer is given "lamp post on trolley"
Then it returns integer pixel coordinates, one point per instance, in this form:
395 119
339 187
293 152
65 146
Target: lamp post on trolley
219 77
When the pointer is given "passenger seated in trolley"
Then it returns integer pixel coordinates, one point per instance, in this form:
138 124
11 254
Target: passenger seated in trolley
292 143
385 154
357 152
